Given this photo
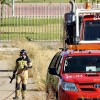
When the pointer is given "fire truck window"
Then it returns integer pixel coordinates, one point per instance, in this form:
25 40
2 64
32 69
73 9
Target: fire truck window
92 30
82 64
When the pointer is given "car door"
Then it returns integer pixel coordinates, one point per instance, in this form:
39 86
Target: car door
49 77
52 80
58 67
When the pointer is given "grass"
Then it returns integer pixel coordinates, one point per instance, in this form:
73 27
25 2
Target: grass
49 1
32 29
29 36
40 55
29 21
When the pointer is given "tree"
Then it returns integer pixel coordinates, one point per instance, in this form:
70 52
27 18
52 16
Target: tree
2 7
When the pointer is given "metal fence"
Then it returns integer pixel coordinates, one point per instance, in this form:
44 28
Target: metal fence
36 22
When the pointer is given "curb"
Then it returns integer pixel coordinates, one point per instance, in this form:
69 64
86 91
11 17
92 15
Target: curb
9 49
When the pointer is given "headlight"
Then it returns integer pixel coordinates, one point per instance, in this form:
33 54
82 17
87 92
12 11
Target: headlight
69 86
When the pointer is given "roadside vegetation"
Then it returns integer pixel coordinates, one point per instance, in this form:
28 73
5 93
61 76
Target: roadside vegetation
40 55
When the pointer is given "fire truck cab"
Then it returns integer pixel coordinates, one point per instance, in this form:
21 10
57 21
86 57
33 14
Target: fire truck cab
82 26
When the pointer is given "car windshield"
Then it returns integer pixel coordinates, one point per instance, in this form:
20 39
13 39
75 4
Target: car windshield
82 64
92 30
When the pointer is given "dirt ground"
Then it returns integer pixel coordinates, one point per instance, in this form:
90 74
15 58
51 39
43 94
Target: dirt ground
7 89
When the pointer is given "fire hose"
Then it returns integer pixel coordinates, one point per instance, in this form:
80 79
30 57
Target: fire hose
11 82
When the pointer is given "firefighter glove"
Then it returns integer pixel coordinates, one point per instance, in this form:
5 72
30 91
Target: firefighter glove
14 76
25 67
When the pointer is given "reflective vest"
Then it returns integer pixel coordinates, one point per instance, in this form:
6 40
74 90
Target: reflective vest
21 64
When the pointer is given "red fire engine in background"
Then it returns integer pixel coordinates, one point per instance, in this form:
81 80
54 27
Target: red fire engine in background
82 27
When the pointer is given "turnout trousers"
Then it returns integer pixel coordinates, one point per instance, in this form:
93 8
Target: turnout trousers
21 82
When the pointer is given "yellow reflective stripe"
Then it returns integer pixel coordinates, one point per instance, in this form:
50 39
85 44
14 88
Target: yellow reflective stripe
21 64
23 91
18 91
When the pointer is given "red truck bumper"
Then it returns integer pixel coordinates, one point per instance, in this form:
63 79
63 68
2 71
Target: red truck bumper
73 95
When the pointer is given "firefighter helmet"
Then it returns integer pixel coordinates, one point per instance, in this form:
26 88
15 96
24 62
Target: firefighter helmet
23 52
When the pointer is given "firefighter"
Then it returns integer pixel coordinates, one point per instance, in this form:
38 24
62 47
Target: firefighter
23 63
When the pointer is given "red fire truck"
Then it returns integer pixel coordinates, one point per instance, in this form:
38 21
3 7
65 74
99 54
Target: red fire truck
82 26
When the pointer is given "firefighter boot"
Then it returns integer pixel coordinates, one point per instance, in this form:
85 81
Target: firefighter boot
16 98
23 95
16 95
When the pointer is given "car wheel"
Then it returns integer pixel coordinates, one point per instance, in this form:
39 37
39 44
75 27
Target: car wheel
50 95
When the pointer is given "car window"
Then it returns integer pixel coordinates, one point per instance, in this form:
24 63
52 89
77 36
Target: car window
53 61
82 64
58 64
92 27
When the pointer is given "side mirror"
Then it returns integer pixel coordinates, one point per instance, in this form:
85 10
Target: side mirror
53 71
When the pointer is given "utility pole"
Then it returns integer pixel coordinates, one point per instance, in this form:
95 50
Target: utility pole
12 7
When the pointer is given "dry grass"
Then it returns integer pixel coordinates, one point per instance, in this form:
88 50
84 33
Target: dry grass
40 56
